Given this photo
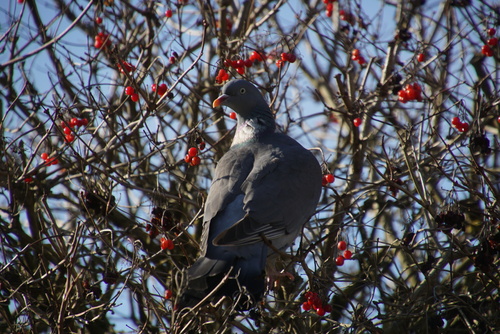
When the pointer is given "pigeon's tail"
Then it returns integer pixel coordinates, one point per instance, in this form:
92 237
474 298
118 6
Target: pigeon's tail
242 279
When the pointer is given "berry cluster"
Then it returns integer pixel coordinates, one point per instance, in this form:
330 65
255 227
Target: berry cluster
327 179
410 92
286 57
329 7
48 161
342 246
459 125
346 16
162 220
450 219
99 203
161 89
356 56
192 157
102 39
166 244
314 303
130 91
125 67
67 127
222 76
239 65
492 41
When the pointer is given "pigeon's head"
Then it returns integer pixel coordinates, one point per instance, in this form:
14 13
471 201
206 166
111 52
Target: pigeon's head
244 98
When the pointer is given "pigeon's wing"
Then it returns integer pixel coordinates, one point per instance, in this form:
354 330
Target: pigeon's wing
281 192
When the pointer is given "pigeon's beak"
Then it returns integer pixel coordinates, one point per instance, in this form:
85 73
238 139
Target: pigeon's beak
220 100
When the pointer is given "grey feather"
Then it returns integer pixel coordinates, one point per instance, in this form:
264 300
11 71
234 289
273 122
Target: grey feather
266 186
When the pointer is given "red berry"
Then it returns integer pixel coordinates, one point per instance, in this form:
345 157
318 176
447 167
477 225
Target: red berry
193 151
223 75
162 89
153 87
355 58
168 13
347 254
421 57
255 56
411 93
492 41
129 90
44 156
248 62
464 127
172 60
84 122
284 56
201 145
356 53
329 178
279 63
357 121
73 122
134 97
486 50
361 60
342 245
241 70
167 244
195 161
28 179
232 115
306 306
187 158
98 43
168 294
67 130
491 31
402 96
498 119
163 243
339 260
324 182
240 63
69 138
455 121
98 20
292 58
320 311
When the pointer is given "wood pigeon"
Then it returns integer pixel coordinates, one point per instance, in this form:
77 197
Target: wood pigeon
265 188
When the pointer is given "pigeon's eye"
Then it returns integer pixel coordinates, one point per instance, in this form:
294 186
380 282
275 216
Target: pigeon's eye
243 90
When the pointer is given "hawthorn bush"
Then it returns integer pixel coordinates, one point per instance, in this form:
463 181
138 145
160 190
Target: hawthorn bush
109 141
